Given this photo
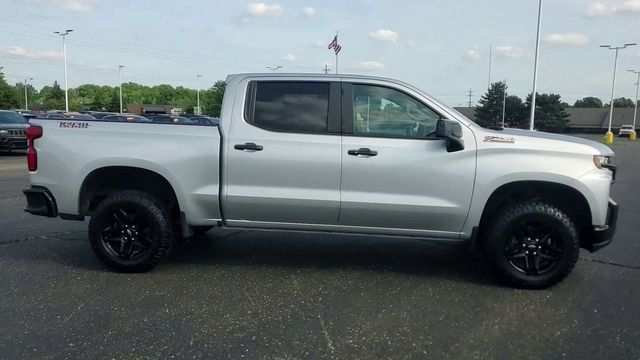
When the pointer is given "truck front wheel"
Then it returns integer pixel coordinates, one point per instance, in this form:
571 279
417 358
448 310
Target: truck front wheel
532 244
130 231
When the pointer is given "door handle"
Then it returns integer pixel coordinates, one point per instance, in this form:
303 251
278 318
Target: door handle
362 151
248 146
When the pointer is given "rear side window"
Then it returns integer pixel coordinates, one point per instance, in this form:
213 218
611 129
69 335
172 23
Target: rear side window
289 106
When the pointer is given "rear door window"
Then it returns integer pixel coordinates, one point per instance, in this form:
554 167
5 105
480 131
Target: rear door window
289 106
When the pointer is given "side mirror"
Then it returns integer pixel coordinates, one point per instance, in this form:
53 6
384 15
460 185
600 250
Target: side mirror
451 131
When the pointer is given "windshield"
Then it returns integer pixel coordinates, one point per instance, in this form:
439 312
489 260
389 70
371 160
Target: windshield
10 117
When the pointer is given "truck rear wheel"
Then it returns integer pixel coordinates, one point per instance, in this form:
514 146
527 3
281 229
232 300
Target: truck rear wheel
130 231
532 244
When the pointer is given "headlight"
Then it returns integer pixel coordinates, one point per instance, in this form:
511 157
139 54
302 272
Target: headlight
601 161
3 132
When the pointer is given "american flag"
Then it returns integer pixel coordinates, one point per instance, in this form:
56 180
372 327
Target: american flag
334 45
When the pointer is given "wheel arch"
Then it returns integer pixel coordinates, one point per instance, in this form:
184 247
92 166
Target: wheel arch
103 181
566 197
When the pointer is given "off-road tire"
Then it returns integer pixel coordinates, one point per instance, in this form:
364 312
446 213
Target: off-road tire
502 232
148 210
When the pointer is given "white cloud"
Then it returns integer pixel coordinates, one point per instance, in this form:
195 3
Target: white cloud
566 39
369 65
472 54
411 44
384 35
599 9
308 12
321 44
36 55
263 10
290 57
70 5
508 52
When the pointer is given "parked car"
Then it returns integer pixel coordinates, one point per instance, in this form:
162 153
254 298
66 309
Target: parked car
125 118
168 119
625 130
203 120
302 152
65 116
100 114
28 114
13 131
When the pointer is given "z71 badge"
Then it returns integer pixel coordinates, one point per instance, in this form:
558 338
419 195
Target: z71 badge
499 139
71 124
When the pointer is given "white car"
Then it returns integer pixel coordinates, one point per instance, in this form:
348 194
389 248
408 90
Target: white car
625 130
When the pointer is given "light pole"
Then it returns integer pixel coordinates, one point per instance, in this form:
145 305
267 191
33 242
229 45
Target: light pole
120 67
504 102
26 103
198 92
274 68
632 136
535 71
64 54
608 137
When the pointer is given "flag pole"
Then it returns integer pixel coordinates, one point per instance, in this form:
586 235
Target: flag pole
337 53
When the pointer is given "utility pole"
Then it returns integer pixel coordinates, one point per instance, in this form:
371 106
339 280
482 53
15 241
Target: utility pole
26 102
535 71
608 137
470 94
635 110
64 54
120 80
504 102
198 93
326 69
490 58
274 68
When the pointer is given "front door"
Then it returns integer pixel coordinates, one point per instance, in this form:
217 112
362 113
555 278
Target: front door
396 174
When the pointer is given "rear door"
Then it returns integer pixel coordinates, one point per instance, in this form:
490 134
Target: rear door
283 154
397 176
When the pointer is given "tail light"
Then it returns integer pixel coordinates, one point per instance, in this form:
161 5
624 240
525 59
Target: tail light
33 132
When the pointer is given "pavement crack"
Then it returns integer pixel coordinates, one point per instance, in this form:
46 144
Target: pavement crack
634 267
51 236
326 334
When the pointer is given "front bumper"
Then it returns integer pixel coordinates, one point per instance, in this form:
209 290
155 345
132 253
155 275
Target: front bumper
603 234
40 202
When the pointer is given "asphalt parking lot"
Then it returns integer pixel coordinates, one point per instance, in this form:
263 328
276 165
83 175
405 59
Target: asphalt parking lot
276 295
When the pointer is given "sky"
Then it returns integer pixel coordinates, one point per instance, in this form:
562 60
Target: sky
441 46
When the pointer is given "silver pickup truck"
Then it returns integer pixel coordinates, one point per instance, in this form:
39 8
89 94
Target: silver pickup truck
334 154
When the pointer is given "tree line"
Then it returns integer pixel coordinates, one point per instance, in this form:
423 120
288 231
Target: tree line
107 98
550 109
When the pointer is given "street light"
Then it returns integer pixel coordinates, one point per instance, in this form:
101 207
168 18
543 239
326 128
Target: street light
198 92
504 102
608 137
635 110
64 54
120 67
26 103
535 70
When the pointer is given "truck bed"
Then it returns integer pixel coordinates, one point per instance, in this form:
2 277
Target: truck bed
187 156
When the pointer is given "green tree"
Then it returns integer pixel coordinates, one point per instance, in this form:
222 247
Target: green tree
489 112
211 99
588 102
52 97
515 112
623 102
550 112
8 96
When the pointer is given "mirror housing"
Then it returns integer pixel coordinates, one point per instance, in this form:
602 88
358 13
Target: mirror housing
451 131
